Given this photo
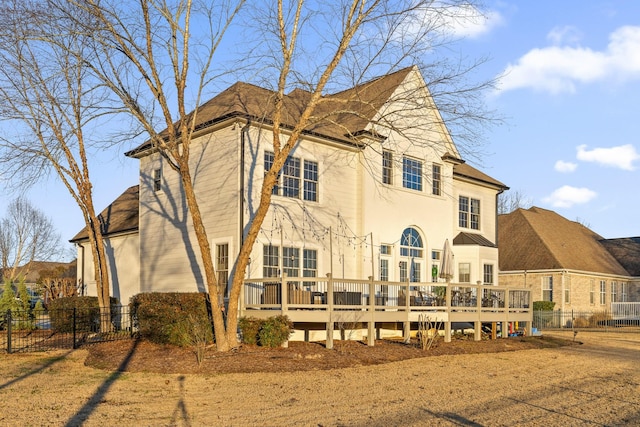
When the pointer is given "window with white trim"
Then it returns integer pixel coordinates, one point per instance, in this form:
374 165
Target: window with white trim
488 274
384 269
435 264
411 173
222 264
157 180
270 261
592 292
623 292
294 181
547 288
614 292
309 263
603 292
567 292
387 167
436 180
464 272
291 261
469 213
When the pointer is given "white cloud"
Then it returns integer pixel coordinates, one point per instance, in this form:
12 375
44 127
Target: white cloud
567 34
567 196
565 167
558 69
444 20
621 157
467 21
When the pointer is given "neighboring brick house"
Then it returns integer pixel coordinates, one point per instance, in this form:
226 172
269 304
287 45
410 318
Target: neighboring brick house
565 262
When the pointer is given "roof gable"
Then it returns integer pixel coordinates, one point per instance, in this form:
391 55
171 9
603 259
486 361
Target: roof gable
540 239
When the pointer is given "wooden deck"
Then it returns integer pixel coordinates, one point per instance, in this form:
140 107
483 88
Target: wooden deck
313 301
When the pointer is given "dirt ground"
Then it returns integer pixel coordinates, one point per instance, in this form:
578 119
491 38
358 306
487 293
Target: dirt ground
504 382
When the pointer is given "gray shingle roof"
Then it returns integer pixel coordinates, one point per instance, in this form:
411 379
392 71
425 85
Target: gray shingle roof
626 251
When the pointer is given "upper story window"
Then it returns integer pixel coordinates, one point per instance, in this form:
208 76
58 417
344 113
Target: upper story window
387 167
436 180
157 180
310 181
469 213
290 183
411 173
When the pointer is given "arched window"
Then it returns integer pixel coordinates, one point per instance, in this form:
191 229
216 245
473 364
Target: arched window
411 243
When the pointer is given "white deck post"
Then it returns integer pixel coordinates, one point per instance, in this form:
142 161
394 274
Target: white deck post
447 324
371 338
478 324
330 311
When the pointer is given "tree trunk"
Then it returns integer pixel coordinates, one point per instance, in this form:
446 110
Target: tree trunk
217 306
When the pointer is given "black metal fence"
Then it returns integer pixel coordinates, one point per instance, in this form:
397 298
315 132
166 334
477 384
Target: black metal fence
603 319
40 330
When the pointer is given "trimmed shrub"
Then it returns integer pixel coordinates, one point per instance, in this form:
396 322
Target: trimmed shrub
87 313
250 328
275 331
172 317
543 305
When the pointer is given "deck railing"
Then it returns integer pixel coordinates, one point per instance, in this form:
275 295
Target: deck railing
319 293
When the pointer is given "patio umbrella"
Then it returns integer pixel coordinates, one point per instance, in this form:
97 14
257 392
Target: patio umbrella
446 262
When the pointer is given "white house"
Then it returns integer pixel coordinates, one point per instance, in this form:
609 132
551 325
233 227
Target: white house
375 193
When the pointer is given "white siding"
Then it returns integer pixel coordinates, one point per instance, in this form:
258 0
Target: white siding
169 251
123 259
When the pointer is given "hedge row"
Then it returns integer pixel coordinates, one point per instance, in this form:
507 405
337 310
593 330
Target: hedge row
176 318
87 311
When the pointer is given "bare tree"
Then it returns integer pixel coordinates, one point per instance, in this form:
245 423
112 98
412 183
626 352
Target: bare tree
26 235
510 200
48 103
148 53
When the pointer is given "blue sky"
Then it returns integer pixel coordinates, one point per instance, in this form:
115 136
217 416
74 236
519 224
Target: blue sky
568 95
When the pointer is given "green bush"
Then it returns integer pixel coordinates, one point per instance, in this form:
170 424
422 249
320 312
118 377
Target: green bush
543 305
275 331
87 313
250 328
172 317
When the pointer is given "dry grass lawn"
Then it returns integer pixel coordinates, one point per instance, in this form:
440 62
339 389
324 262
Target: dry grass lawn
595 383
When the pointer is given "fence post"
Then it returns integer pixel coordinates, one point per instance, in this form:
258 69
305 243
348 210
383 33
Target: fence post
74 328
9 322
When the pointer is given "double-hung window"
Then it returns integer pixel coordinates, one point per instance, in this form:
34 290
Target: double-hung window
603 292
387 167
157 180
547 288
309 263
436 180
222 264
297 178
412 173
469 213
464 272
270 261
614 292
488 274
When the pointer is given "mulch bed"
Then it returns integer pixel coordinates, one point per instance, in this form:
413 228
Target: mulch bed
144 356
